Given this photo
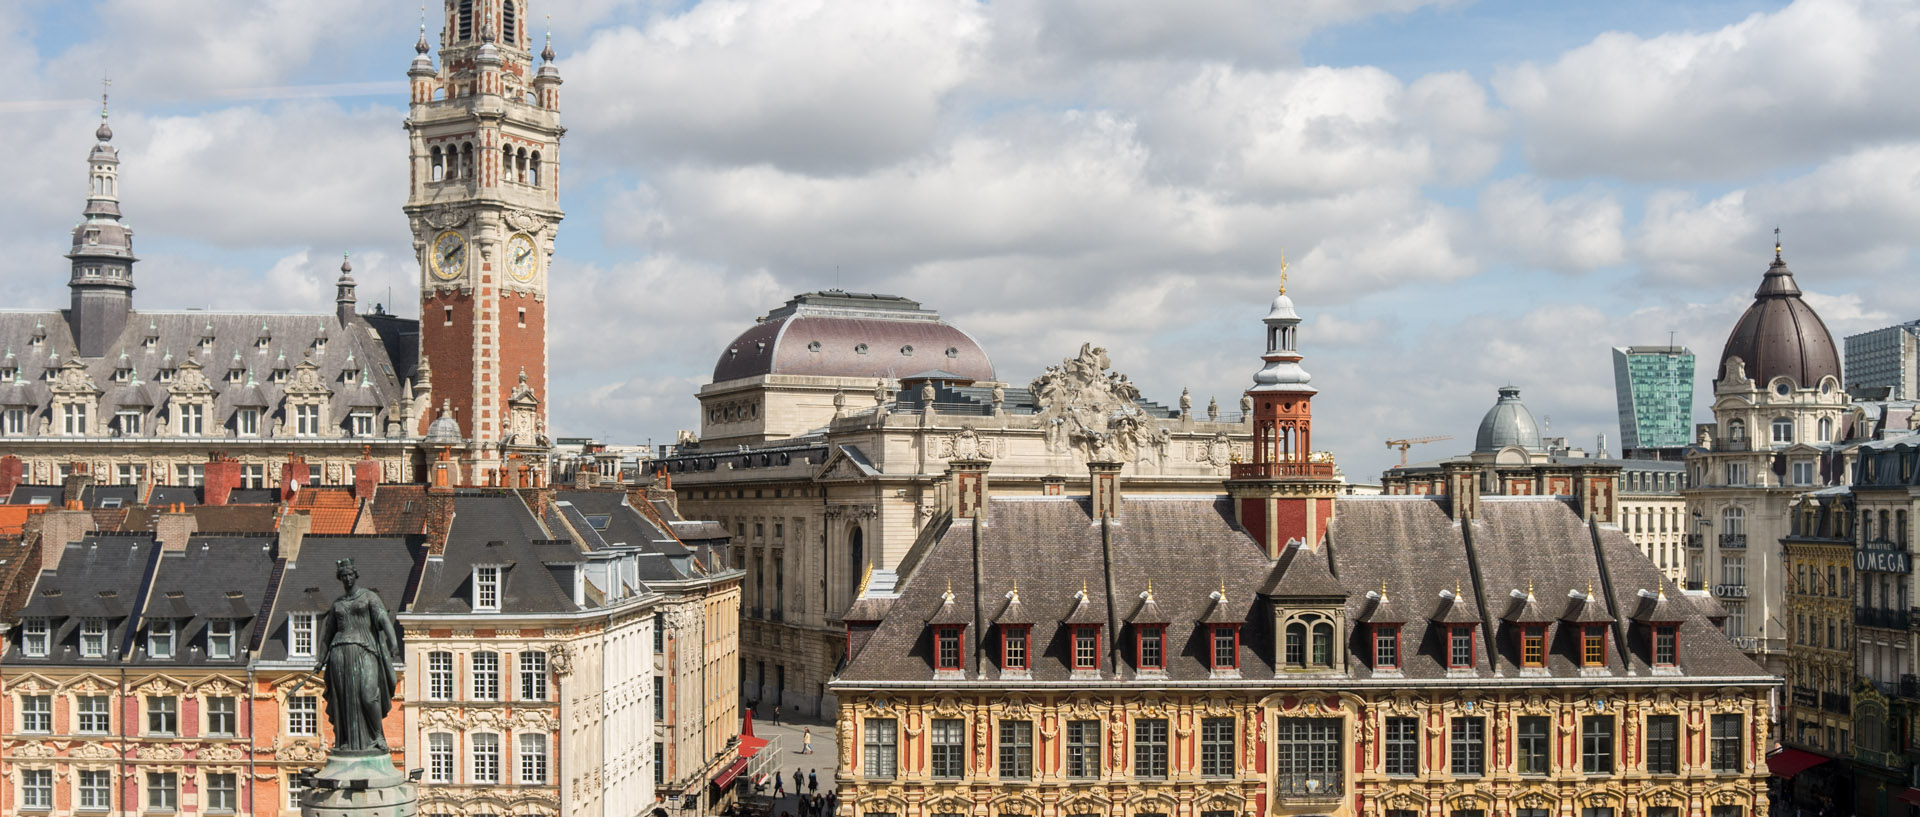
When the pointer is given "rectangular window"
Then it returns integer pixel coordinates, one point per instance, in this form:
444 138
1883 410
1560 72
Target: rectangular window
533 676
1535 742
1728 811
129 422
1086 647
306 421
96 790
947 646
1533 645
1150 748
1016 750
533 759
1726 743
1083 748
160 638
486 758
439 676
222 716
362 423
36 637
1307 752
192 420
1153 647
73 419
223 793
1803 473
1403 747
882 739
659 763
303 716
1013 648
1467 752
220 639
486 588
92 711
440 758
130 474
1216 747
1386 647
949 747
302 629
1663 744
189 475
486 676
247 422
1596 744
1666 645
1593 646
659 633
163 715
1459 647
295 788
36 789
36 713
16 422
1226 647
659 698
162 791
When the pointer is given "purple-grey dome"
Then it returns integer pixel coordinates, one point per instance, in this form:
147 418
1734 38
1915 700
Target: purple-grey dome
1781 336
852 334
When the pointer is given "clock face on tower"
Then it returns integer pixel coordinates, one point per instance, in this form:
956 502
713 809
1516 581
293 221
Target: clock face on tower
449 256
522 260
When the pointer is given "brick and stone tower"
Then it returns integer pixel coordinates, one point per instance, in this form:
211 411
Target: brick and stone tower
102 281
1285 495
483 204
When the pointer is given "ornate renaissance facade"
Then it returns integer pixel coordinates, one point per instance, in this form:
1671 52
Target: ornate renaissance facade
1283 649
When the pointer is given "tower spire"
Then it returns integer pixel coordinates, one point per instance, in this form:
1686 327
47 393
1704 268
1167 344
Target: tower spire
101 282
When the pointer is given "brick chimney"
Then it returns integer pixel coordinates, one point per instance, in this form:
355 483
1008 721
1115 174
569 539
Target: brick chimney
969 479
12 473
173 528
222 478
293 531
58 529
1104 488
439 519
295 471
366 476
1053 485
74 487
1598 494
1463 490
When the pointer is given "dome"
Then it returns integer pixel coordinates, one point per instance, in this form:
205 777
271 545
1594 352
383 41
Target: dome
1507 423
1780 336
444 430
853 335
1282 308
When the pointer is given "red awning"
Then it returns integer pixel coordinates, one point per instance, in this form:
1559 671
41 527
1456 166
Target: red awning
1910 795
727 775
750 745
1788 762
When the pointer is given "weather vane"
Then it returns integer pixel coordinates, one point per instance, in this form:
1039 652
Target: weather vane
1283 270
106 84
1776 243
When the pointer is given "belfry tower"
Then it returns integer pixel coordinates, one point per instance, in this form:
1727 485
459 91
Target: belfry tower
484 207
1284 496
102 281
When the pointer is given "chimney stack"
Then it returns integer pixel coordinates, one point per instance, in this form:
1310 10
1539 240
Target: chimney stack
293 531
74 487
1463 490
12 473
222 478
1053 485
969 479
293 476
366 476
1104 489
58 529
173 528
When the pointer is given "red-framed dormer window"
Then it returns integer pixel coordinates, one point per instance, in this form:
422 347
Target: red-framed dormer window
1013 646
1666 645
1225 646
1150 646
1086 647
1386 646
1533 645
946 647
1460 647
1593 645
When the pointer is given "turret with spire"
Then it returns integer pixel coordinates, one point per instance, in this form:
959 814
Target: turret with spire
343 297
102 279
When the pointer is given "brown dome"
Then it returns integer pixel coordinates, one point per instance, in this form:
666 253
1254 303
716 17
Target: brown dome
1780 336
852 334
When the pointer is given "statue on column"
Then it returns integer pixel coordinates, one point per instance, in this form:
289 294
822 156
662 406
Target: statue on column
358 645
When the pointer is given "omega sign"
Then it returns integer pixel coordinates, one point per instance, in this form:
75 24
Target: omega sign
1883 561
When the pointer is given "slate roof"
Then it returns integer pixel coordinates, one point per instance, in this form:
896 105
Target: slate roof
192 587
98 577
498 529
309 585
1407 547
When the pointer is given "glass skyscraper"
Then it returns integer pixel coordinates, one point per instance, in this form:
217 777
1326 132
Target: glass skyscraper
1654 385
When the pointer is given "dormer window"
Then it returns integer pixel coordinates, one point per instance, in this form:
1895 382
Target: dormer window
362 423
262 342
1533 645
1150 646
1013 646
1226 646
486 588
1593 645
1666 645
36 638
38 340
946 648
1386 646
1460 648
93 638
160 638
349 375
236 375
278 376
220 639
9 373
150 342
320 345
206 345
1086 647
122 375
165 375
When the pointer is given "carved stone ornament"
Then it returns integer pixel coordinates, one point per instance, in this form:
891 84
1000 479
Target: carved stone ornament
299 752
160 751
1084 408
560 658
72 378
522 220
966 445
220 752
92 750
441 218
1219 451
35 749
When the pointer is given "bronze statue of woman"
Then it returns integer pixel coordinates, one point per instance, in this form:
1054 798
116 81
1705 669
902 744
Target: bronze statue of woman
358 644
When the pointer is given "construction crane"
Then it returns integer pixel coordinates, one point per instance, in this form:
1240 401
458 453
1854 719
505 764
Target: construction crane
1410 442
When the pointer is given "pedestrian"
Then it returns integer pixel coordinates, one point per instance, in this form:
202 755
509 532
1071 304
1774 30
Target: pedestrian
799 781
776 714
813 781
779 786
806 741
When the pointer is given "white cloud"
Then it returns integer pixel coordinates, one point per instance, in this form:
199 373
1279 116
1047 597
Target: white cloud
1249 31
1786 87
1573 233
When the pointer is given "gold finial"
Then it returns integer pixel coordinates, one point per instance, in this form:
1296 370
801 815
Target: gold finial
1589 591
1776 243
1149 589
1457 595
1223 588
1663 591
1083 589
1283 270
1529 590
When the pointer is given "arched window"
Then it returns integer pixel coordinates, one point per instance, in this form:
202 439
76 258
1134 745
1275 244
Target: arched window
466 19
1782 430
1826 429
509 24
520 165
857 557
1296 645
506 163
1323 644
439 166
466 161
533 169
1736 430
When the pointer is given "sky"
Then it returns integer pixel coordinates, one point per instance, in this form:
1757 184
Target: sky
1467 194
